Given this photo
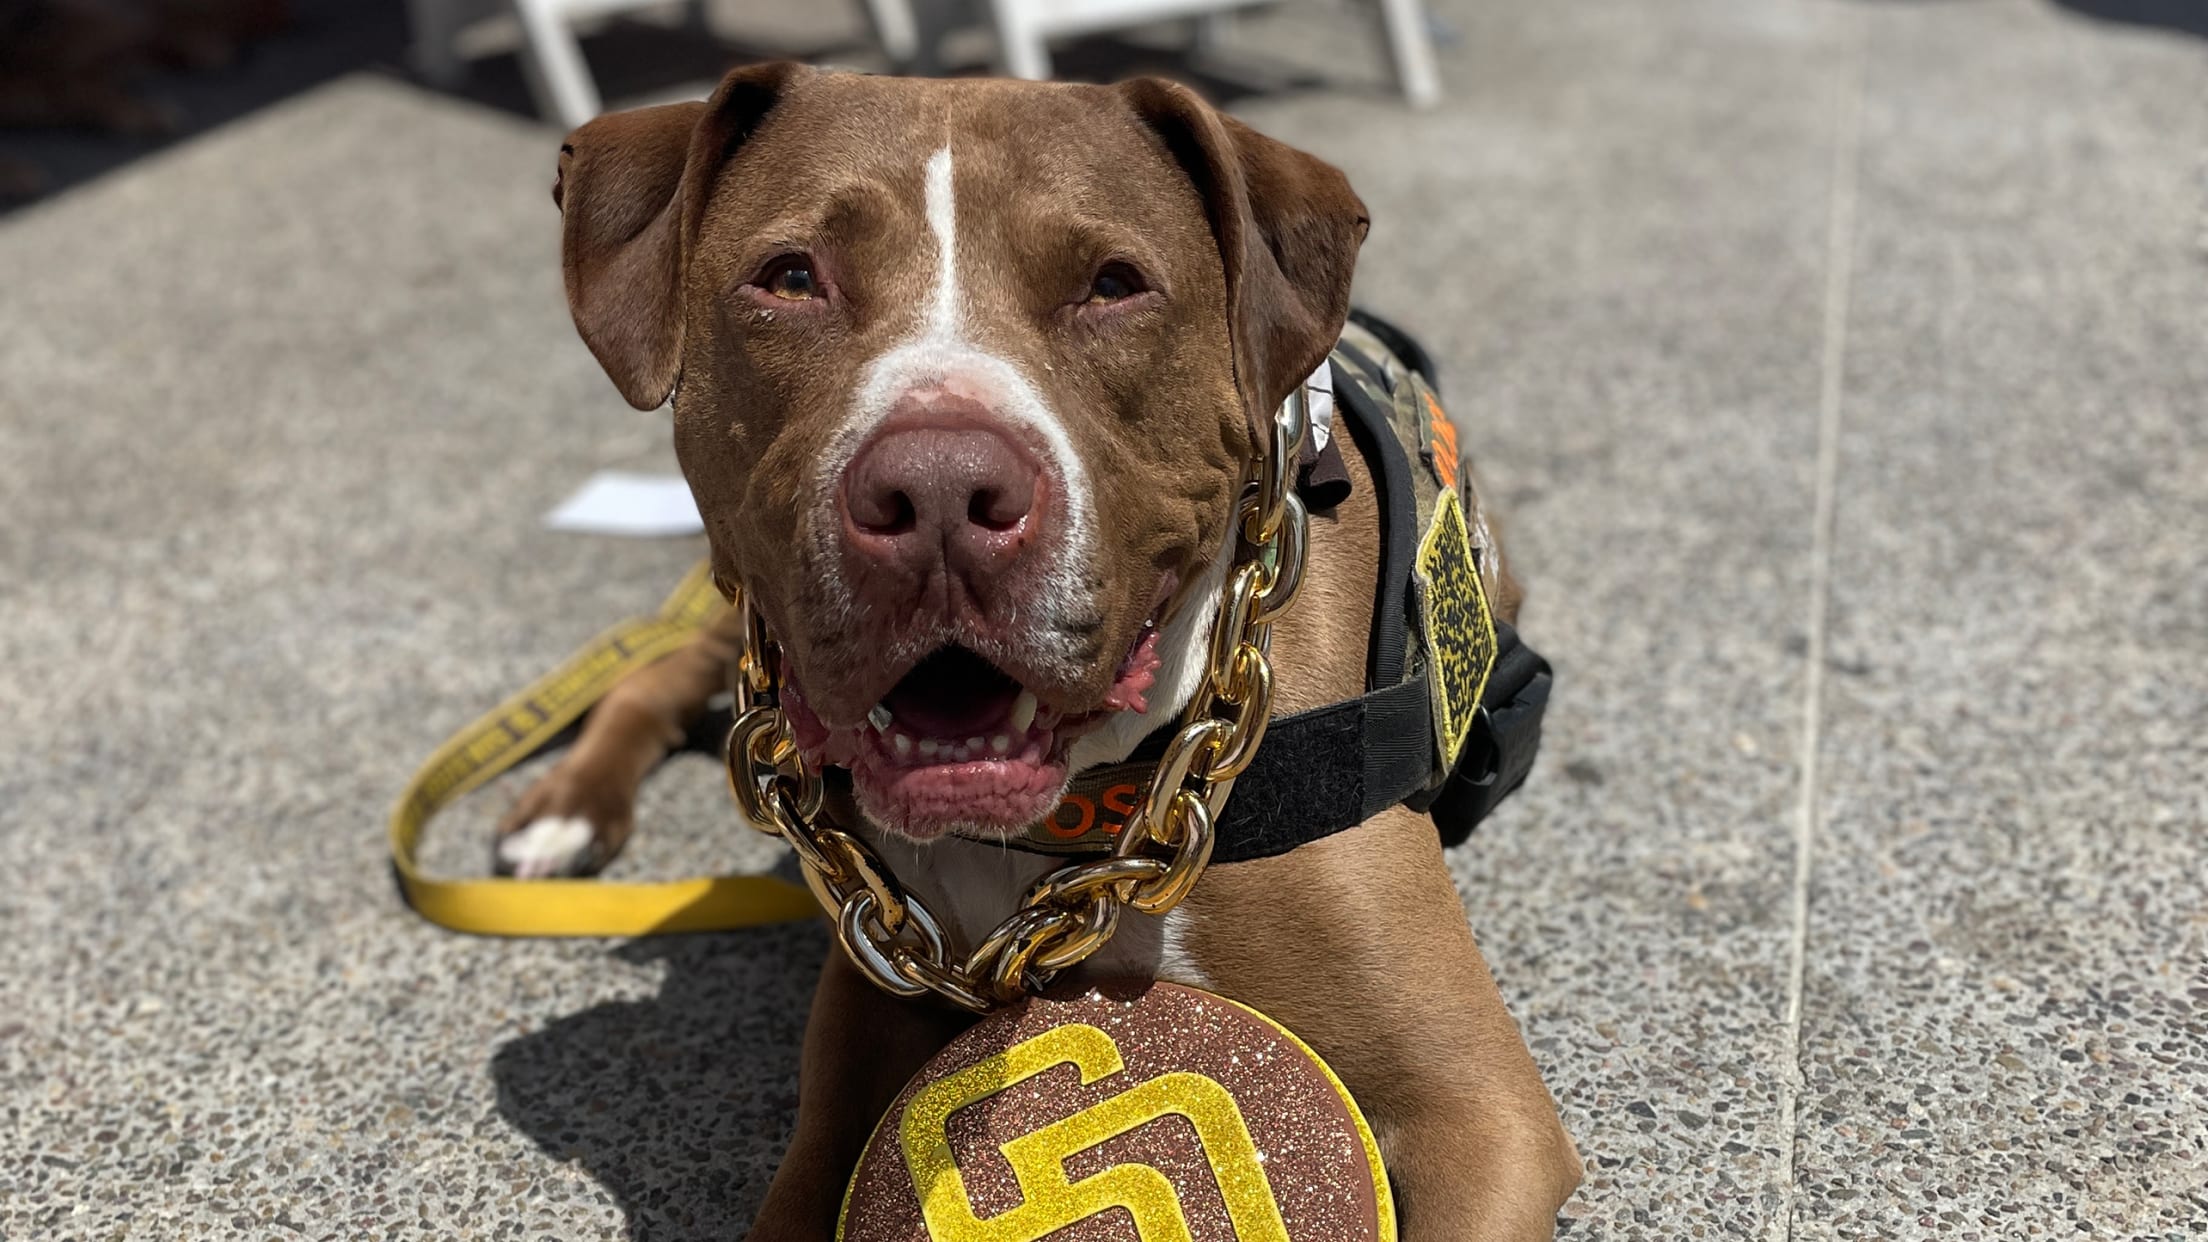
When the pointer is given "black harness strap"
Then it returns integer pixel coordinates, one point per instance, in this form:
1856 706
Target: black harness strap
1332 768
1391 478
1506 737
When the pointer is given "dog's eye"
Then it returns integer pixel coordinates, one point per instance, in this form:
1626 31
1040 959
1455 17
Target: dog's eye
1115 282
790 278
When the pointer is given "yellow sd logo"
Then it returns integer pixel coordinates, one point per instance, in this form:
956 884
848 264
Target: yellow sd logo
1049 1201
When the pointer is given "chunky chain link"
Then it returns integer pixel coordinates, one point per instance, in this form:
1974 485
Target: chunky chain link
1070 913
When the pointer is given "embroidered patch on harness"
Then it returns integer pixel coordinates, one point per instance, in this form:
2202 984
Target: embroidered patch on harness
1089 818
1460 629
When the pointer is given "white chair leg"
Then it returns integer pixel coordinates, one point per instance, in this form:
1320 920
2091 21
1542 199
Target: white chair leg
1020 39
436 25
1412 48
897 28
570 97
1211 33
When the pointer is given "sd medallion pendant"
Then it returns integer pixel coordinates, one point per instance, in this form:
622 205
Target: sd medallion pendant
1129 1112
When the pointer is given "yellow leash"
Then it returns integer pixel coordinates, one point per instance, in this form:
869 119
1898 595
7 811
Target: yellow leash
517 729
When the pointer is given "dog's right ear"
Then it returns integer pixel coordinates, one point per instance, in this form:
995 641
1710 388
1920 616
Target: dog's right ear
631 189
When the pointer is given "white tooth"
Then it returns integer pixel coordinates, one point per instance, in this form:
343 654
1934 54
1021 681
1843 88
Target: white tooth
956 752
902 743
880 716
928 748
1000 743
972 746
1023 711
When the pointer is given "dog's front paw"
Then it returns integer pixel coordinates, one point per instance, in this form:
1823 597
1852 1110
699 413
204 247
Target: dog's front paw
567 824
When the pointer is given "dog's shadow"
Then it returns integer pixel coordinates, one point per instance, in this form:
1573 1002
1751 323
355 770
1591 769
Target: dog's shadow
680 1104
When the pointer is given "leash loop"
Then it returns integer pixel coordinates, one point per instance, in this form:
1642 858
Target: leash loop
522 726
1066 916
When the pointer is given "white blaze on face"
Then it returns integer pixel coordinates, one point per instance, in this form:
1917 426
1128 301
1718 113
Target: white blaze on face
944 313
940 355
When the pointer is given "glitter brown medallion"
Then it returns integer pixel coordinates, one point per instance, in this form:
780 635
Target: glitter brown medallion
1133 1112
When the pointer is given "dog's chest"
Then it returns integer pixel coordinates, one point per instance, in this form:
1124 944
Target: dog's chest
971 886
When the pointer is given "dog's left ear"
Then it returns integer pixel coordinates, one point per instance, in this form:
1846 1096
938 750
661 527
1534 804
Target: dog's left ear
631 190
1288 228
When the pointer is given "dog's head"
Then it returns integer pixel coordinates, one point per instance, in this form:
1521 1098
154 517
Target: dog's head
965 375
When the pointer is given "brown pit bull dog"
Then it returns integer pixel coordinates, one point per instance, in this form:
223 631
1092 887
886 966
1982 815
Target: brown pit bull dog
965 375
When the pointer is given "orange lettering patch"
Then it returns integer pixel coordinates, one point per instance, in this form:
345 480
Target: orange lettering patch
1119 800
1078 814
1444 444
1084 818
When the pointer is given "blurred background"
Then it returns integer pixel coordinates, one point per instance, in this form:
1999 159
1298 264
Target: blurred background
87 85
1839 367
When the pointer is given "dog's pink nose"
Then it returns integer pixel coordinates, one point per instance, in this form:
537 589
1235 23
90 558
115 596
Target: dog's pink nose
963 497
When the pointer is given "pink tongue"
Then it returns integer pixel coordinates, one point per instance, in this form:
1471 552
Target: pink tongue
1136 676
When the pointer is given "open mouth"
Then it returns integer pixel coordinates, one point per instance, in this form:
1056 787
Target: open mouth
960 743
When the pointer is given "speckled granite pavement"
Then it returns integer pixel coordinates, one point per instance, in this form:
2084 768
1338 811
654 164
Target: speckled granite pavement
1841 367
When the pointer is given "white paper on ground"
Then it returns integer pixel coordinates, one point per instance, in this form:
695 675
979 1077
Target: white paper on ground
617 502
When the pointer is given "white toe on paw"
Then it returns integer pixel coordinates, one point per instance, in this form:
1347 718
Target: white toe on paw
545 847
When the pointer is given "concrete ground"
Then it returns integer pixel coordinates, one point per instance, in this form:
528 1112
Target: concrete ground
1841 366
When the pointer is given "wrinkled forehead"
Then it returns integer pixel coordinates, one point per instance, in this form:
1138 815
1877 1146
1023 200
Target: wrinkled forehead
1031 164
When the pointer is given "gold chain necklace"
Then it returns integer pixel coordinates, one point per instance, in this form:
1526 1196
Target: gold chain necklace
1069 914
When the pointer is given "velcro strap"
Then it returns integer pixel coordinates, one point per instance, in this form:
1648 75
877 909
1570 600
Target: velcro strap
1504 742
